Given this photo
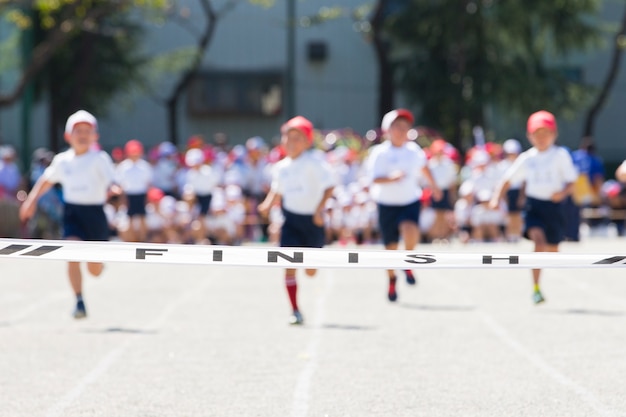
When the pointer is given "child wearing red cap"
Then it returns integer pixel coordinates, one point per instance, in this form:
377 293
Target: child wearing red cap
549 175
396 167
134 176
86 176
303 183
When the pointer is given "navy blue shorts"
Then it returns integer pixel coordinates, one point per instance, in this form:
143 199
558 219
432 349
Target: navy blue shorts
547 216
512 201
444 203
86 222
205 203
136 204
298 230
390 217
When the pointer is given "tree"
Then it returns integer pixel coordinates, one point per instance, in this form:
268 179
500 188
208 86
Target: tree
186 62
619 45
60 23
91 69
456 58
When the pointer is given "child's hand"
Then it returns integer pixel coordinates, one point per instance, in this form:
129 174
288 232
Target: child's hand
494 204
318 218
264 209
558 197
437 194
396 175
27 210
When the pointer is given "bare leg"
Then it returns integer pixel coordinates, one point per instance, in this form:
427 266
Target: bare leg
76 277
95 268
410 234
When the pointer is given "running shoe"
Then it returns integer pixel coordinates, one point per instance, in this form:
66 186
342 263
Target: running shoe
410 278
80 312
392 294
296 318
538 297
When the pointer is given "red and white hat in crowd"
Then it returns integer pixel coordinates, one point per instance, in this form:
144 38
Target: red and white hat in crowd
394 115
299 123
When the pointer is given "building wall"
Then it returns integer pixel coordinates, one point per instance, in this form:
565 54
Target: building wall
340 92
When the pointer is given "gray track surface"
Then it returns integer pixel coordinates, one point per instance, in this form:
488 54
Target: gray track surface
204 341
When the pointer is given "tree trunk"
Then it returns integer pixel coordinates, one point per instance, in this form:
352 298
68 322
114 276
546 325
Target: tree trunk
385 72
174 99
596 107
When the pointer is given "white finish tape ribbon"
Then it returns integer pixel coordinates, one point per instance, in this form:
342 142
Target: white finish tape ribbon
262 256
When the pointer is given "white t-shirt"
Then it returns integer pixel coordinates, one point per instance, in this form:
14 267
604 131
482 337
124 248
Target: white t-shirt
545 173
503 166
384 159
134 177
201 181
85 178
444 172
302 182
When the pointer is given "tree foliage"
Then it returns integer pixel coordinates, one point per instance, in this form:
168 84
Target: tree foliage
455 58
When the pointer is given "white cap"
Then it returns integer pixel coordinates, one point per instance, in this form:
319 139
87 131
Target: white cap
233 192
194 157
512 146
81 116
480 157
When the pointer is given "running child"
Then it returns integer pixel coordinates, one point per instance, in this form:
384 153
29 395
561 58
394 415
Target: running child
304 183
396 167
549 174
86 176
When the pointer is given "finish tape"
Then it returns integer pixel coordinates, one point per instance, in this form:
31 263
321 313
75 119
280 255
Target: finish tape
261 256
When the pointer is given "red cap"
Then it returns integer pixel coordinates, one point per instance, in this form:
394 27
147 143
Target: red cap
155 194
541 119
438 145
394 115
133 147
299 123
117 153
195 141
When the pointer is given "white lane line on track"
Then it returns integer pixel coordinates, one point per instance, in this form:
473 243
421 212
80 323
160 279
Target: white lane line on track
585 395
31 308
103 366
300 407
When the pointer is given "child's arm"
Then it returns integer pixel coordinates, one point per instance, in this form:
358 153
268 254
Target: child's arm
437 194
318 216
270 200
28 207
620 173
562 195
494 203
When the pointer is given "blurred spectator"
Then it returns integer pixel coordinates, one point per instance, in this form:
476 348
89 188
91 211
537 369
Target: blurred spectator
134 175
514 195
166 168
586 187
10 176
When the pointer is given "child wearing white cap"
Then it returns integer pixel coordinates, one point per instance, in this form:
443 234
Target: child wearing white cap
86 176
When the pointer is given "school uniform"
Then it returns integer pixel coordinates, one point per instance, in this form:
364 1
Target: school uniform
515 188
444 174
85 180
202 182
302 183
135 178
397 201
544 173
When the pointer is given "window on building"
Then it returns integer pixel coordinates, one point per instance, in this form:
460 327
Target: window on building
215 93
